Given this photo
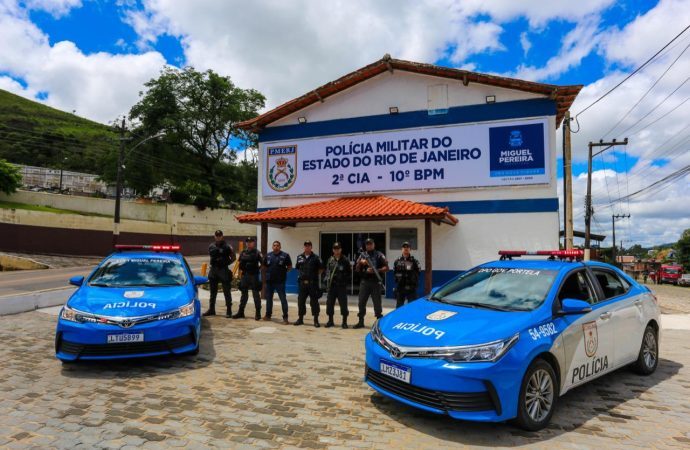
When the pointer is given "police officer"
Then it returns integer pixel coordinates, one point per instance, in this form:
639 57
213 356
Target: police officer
338 273
406 271
222 255
250 263
373 265
277 264
309 266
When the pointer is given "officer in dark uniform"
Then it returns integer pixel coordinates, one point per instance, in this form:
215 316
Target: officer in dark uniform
250 263
373 265
338 273
309 266
222 255
406 270
277 264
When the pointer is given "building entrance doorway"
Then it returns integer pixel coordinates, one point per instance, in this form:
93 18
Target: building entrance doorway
353 245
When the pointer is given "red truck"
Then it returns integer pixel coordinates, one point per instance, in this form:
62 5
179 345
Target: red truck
669 273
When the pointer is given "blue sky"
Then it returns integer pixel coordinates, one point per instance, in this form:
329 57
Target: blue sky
93 56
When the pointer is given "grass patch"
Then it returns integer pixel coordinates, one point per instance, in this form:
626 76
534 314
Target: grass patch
50 209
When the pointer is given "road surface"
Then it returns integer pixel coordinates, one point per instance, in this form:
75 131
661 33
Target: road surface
26 281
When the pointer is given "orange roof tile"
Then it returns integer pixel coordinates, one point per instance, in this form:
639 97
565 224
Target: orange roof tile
376 207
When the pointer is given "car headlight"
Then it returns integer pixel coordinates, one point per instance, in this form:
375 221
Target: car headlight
376 334
488 352
187 310
68 313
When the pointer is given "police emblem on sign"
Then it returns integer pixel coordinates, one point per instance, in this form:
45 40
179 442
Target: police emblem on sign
281 167
589 330
441 315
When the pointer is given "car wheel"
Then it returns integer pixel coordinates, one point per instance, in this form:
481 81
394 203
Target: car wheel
538 396
648 358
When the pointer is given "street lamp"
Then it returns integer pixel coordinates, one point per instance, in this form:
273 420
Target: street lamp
120 167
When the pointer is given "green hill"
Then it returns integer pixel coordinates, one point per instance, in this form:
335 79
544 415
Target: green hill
35 134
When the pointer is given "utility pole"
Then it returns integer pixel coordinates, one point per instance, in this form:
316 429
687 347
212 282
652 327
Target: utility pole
118 184
613 224
567 185
589 211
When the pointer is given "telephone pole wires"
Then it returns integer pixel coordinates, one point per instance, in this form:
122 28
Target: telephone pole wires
589 210
567 185
613 225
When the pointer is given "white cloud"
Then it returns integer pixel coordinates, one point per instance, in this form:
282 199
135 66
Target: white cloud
576 44
525 43
57 8
99 86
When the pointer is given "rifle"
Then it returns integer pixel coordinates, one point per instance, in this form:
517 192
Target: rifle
367 258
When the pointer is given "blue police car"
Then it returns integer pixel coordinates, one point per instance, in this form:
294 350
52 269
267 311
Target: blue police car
504 340
140 301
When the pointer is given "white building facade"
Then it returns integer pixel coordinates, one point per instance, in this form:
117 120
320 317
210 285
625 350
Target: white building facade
483 147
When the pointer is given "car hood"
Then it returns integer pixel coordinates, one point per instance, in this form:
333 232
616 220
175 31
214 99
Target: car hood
424 323
129 302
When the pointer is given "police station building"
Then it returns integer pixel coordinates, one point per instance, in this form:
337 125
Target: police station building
460 164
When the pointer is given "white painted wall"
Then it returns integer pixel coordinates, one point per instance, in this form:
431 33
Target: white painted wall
477 237
406 90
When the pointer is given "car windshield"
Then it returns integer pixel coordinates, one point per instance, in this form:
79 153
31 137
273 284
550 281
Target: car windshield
671 271
139 271
499 288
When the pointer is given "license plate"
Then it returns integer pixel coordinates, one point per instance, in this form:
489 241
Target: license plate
397 371
125 337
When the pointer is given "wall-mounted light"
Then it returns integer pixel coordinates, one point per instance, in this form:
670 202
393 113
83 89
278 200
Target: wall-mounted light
302 119
490 99
393 110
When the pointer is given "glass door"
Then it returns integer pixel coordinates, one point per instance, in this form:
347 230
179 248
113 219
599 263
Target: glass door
353 246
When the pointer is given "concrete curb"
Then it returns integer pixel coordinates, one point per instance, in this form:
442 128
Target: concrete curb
16 304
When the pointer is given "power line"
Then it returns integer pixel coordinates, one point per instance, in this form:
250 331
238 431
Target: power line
633 73
680 173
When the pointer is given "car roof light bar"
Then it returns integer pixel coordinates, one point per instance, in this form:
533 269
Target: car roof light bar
155 247
570 255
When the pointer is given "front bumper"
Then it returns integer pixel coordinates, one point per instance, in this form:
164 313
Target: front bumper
470 391
82 341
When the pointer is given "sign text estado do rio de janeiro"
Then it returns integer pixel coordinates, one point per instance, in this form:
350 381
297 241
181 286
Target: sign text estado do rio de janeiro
486 154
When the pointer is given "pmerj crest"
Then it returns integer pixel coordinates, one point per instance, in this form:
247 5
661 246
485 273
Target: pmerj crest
281 171
589 330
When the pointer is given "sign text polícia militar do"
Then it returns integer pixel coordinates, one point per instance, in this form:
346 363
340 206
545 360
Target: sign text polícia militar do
460 156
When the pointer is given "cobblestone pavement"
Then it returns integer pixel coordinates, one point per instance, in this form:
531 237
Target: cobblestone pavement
672 299
259 384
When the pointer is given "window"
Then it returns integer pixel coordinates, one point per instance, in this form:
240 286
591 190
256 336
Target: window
610 283
123 271
576 287
400 235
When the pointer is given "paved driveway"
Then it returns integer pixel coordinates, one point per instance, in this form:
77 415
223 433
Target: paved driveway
267 385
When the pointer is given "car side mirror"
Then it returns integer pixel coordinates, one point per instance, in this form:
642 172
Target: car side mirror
200 280
571 307
77 281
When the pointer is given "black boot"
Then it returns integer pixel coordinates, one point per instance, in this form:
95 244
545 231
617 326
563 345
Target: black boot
228 314
210 312
330 323
257 316
239 315
316 322
359 324
299 321
344 325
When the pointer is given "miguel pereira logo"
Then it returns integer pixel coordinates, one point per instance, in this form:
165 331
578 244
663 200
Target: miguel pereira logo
281 167
517 150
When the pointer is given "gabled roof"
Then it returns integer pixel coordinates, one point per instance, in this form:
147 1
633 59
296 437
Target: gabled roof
562 95
377 207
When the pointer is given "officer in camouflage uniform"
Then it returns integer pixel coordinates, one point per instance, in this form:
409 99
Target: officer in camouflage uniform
222 255
338 273
309 266
371 285
250 264
406 270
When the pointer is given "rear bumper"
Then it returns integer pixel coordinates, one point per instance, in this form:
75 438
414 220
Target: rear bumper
84 341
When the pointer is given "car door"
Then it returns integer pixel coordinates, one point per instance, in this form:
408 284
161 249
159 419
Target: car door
628 313
588 339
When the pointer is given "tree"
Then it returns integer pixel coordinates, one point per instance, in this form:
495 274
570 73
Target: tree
683 249
10 177
199 112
